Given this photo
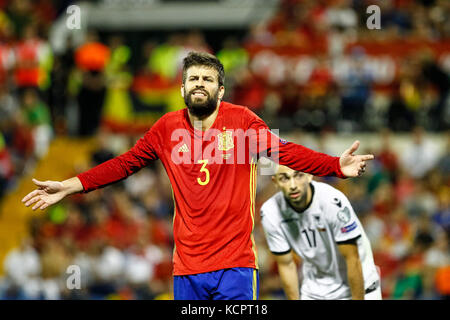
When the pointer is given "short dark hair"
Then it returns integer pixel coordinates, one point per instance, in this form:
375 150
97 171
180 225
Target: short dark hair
203 59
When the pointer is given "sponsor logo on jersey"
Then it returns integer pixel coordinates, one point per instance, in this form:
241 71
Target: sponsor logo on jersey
337 202
349 227
183 148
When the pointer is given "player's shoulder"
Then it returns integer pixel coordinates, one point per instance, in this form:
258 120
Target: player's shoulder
233 107
238 110
324 190
272 206
328 195
172 119
173 115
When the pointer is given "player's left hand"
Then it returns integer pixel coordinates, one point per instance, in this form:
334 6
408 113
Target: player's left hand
354 165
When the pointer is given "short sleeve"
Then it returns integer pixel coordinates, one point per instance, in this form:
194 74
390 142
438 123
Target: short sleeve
342 218
275 237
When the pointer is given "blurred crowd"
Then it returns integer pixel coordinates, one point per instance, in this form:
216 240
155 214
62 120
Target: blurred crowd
121 236
326 68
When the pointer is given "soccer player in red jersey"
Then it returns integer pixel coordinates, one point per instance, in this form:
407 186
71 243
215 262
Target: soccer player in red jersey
209 151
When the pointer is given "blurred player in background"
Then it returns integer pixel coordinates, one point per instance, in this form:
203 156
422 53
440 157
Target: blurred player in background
318 223
215 254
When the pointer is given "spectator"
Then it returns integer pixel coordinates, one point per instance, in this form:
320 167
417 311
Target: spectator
356 88
22 269
91 59
165 59
232 55
443 164
421 155
20 12
107 269
6 166
38 118
54 260
387 156
436 258
33 59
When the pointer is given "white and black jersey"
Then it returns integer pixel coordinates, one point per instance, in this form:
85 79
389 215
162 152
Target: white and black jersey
314 235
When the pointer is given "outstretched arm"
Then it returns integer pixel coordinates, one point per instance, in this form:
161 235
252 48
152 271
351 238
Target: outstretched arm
50 192
111 171
265 143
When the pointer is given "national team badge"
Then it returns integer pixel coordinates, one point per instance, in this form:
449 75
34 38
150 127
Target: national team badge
225 140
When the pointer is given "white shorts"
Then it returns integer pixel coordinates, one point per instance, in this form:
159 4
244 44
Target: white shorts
373 295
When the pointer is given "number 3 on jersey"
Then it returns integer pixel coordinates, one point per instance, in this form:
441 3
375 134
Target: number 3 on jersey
206 171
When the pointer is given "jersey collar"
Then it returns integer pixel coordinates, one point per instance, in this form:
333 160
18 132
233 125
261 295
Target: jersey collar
201 133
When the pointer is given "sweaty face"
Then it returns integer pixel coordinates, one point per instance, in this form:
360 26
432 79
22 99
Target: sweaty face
201 90
293 184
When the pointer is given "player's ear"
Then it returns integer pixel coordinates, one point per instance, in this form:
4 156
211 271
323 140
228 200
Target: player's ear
182 90
221 92
310 177
274 180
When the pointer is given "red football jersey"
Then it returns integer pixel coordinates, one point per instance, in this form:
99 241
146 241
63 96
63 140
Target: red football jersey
213 177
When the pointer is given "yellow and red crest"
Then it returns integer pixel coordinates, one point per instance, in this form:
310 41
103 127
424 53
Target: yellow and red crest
225 140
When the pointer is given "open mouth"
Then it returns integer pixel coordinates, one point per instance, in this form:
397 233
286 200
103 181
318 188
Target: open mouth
294 195
199 94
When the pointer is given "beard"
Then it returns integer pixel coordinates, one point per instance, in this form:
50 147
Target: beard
201 109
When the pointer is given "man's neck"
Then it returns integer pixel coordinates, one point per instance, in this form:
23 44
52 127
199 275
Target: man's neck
204 123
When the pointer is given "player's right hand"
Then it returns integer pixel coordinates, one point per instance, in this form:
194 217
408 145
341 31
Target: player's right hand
47 193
